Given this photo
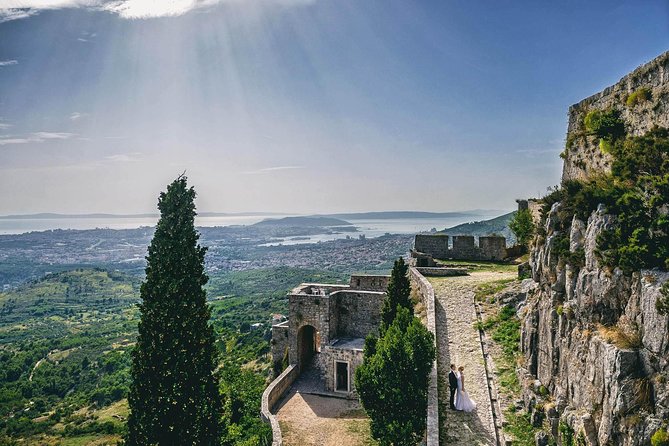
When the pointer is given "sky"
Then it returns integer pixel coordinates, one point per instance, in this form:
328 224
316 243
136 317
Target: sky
301 106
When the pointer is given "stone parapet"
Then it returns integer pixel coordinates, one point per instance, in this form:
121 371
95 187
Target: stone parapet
272 395
427 297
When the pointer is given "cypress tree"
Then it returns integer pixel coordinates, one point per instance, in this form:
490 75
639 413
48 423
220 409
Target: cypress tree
398 294
174 395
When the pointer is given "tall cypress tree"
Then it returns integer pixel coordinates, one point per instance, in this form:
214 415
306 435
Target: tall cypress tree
398 294
174 396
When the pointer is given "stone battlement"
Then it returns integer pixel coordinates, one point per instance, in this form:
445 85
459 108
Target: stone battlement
463 247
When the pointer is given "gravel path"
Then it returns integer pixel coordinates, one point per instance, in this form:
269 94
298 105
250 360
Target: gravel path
459 343
314 420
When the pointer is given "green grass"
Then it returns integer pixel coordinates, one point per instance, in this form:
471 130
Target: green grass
518 425
489 289
480 265
504 328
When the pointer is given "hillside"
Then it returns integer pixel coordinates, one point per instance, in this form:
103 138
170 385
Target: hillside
65 341
498 225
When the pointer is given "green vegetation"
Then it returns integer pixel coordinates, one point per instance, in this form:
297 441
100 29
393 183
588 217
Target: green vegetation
480 265
485 291
174 394
519 426
505 331
398 295
662 303
638 96
660 438
605 124
70 318
566 434
392 381
636 192
498 225
522 226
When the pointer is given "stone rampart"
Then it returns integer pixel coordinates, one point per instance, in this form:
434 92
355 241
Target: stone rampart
582 157
434 244
426 293
272 395
492 247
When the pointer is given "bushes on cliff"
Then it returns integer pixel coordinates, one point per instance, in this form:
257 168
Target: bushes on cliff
605 124
643 94
636 192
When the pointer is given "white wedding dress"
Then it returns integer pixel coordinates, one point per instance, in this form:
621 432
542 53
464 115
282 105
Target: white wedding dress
462 401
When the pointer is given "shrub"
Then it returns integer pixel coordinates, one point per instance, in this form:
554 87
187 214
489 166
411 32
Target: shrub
522 226
660 438
638 96
604 124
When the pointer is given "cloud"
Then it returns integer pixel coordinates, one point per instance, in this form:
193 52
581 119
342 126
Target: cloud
124 157
34 137
127 9
6 63
76 116
272 169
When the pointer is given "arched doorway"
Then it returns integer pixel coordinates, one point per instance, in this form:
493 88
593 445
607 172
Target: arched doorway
307 345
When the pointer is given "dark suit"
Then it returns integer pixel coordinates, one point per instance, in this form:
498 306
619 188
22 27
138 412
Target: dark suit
453 384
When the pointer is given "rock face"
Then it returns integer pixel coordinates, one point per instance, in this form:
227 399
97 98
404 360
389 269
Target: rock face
596 350
582 156
594 340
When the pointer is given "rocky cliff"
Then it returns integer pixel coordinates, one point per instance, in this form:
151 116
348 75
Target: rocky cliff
595 347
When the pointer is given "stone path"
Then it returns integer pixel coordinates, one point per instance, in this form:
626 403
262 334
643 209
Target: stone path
459 343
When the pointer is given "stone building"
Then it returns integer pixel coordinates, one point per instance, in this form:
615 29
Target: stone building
326 329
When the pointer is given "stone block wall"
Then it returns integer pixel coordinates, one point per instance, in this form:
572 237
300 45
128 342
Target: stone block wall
279 344
464 247
307 309
426 293
492 247
271 396
435 244
359 313
329 355
583 158
369 282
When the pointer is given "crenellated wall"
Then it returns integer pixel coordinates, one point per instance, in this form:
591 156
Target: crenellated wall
464 247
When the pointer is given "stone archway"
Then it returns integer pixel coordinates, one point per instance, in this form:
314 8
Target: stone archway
307 345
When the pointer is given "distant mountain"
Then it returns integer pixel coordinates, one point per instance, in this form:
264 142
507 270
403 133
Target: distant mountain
49 215
498 225
392 215
314 221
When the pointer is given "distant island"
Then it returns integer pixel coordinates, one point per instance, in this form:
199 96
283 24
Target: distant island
389 215
313 221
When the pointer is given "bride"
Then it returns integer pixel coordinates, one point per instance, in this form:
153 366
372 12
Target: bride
462 401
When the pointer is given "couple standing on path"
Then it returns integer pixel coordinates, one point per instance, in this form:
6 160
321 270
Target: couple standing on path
459 399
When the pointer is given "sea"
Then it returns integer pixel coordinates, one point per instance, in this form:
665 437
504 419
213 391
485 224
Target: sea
365 227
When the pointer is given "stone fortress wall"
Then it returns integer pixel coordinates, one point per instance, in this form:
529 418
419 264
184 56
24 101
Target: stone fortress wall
582 156
464 247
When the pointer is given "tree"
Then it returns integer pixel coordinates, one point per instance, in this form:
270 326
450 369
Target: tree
392 381
174 395
522 226
398 294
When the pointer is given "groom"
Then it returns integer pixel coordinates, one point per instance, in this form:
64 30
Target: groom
453 384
